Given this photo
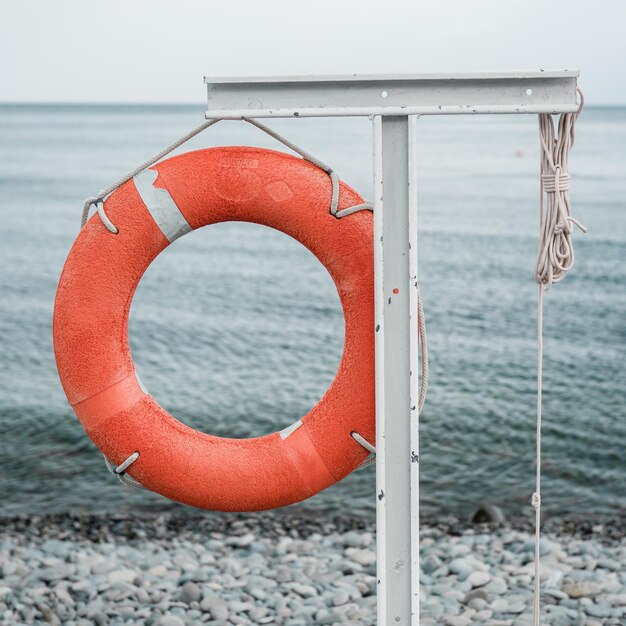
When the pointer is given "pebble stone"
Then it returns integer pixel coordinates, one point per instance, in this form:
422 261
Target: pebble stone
478 579
164 574
170 620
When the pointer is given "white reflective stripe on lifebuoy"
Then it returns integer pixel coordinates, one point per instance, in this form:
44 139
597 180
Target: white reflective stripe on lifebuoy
285 432
161 206
140 383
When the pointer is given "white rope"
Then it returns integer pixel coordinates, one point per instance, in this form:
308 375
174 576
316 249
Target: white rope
421 336
536 497
334 179
98 200
421 322
555 257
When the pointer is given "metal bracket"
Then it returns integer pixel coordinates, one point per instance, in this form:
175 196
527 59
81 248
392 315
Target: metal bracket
400 94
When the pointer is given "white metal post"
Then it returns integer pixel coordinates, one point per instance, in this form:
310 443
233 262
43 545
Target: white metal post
395 101
397 331
413 373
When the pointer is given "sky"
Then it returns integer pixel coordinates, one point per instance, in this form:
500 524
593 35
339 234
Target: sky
160 50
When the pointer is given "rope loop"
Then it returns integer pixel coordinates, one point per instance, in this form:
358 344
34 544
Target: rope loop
104 218
89 202
120 470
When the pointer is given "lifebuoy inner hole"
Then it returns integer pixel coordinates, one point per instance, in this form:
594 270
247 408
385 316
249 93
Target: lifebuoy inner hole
236 329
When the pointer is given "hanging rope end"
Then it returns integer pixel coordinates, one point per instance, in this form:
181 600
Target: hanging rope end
583 229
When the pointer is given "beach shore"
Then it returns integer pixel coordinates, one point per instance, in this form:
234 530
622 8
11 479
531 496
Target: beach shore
173 570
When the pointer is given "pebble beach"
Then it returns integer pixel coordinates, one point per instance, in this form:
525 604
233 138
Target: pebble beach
171 570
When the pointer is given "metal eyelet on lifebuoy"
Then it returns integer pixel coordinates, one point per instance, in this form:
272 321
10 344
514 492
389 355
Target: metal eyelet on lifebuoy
91 329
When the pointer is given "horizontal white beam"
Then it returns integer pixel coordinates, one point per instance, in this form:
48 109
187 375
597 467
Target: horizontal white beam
400 94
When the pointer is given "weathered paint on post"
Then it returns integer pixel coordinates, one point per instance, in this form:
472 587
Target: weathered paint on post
393 375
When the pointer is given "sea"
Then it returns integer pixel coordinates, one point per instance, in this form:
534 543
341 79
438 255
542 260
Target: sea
237 330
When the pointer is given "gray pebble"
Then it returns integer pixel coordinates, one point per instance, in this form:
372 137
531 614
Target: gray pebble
598 610
430 563
122 575
190 592
462 567
306 591
352 539
361 556
488 514
341 597
458 620
500 605
497 585
216 607
242 541
581 589
478 579
475 594
170 620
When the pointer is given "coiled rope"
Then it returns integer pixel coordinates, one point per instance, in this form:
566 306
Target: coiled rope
555 257
98 202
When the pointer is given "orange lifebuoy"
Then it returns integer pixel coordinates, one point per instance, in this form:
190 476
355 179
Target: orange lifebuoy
91 329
